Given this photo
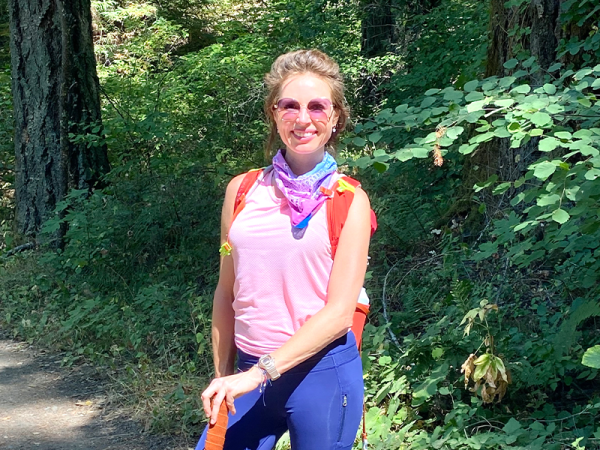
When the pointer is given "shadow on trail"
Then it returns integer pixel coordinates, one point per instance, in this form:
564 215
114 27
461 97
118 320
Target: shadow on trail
48 407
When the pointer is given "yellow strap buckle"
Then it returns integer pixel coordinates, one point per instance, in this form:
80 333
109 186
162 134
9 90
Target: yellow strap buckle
344 186
225 249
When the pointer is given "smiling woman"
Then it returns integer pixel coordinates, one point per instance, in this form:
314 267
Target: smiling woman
288 287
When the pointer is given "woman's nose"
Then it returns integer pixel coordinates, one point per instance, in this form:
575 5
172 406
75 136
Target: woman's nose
303 116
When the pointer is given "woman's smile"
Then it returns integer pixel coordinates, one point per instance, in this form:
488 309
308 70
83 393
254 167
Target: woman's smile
304 135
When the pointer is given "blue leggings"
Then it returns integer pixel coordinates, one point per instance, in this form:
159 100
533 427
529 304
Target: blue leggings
319 401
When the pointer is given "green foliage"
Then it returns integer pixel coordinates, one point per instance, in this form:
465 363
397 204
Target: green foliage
427 61
591 357
182 97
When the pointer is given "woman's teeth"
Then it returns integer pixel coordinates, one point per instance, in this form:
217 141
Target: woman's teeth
303 134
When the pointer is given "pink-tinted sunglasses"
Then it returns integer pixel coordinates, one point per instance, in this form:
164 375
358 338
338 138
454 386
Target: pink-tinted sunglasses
318 109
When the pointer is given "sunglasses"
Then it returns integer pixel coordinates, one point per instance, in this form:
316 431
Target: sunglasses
318 109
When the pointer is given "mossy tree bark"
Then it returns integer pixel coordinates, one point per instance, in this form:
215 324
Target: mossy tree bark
55 94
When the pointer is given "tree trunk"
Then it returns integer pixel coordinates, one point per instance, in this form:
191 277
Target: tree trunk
377 28
542 17
55 95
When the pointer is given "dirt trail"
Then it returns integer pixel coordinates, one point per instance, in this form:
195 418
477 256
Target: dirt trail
46 407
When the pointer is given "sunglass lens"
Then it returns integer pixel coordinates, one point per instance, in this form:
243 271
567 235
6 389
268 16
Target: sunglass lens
318 109
288 105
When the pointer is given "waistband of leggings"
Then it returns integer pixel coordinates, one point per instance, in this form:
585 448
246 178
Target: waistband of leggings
337 353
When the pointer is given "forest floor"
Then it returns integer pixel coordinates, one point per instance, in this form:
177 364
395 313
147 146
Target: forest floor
48 407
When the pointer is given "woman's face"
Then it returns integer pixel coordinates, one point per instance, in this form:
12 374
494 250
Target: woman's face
305 115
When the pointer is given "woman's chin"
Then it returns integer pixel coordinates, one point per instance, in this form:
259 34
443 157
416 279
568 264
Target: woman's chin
305 146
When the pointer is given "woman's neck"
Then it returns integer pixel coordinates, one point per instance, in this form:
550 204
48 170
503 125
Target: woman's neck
301 164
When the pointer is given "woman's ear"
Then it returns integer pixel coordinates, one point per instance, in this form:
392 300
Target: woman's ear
335 118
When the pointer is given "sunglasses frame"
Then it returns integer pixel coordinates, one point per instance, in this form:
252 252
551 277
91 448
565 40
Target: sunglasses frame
329 116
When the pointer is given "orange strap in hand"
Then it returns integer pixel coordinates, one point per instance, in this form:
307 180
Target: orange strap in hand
215 438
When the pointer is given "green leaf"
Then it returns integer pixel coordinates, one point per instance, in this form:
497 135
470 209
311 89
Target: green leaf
536 132
359 142
528 62
453 95
466 149
476 106
403 155
511 426
540 119
544 169
554 67
583 73
560 216
502 132
596 84
428 101
514 127
504 103
473 96
471 85
548 144
375 137
591 357
563 135
420 152
454 132
511 64
555 108
437 352
522 89
588 150
592 174
571 193
380 167
487 183
432 91
482 138
550 89
548 199
501 188
506 81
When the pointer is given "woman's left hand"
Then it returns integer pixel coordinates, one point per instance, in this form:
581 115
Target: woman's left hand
229 388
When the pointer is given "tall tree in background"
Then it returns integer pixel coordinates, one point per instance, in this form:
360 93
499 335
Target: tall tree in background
56 96
507 41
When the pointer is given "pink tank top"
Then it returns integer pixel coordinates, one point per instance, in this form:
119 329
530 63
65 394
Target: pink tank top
281 275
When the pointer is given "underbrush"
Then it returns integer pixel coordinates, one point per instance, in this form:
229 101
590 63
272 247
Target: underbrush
131 290
441 312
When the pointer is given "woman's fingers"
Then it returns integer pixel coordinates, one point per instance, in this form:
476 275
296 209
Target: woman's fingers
207 396
229 402
216 406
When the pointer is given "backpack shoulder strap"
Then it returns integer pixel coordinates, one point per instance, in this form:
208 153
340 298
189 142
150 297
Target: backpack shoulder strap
240 202
337 209
245 186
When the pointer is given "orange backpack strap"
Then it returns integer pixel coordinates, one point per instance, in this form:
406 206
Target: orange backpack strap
240 202
338 207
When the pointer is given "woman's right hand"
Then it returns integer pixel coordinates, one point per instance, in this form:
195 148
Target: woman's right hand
227 389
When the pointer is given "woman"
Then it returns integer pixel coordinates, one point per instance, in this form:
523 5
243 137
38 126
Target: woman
282 303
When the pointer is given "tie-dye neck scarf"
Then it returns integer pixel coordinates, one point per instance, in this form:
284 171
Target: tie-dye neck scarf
302 192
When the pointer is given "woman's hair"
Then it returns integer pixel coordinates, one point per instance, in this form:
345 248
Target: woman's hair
298 63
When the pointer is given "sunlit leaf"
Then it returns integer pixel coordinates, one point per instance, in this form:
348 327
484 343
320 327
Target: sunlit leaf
560 216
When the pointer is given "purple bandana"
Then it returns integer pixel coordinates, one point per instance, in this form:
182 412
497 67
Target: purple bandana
302 193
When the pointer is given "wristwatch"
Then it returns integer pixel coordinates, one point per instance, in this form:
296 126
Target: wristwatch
267 363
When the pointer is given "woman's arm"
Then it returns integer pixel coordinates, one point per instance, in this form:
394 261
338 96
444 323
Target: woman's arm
223 315
347 278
